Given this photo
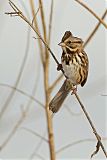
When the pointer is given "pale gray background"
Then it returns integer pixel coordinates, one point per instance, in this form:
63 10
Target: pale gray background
68 15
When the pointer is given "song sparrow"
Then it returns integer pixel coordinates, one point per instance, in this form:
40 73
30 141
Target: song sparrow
74 62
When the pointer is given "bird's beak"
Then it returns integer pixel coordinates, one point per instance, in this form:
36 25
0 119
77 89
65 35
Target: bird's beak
61 44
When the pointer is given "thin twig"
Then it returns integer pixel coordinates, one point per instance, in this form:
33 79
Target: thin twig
34 154
43 20
104 95
92 12
37 147
46 87
94 30
39 156
23 93
71 112
50 22
75 143
44 33
91 124
36 134
35 15
37 28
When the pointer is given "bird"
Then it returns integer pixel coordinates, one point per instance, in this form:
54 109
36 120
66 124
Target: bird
75 64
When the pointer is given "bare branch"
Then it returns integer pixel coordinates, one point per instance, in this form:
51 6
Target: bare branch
94 30
92 12
35 15
36 134
46 86
50 22
43 20
37 28
36 38
91 124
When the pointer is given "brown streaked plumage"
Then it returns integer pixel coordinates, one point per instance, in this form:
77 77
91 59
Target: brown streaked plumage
75 64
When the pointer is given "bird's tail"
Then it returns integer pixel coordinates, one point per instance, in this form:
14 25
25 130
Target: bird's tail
59 98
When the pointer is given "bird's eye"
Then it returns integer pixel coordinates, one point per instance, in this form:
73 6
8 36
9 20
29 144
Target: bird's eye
69 42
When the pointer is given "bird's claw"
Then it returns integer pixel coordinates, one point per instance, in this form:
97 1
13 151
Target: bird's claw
74 90
59 67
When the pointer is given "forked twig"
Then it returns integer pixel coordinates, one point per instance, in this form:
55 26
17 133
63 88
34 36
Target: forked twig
75 143
46 45
20 14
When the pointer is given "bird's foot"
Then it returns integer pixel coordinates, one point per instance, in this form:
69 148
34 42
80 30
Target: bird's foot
74 90
59 67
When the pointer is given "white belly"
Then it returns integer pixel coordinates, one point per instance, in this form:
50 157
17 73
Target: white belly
70 72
